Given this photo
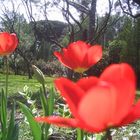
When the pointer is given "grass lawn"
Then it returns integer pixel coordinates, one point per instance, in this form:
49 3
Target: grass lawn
17 82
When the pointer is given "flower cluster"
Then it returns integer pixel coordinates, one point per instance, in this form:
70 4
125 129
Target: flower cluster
96 103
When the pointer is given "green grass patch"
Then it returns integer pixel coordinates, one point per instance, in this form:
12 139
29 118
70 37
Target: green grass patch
138 95
138 92
16 83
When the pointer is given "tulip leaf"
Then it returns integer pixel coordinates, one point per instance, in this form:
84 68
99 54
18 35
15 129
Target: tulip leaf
35 127
44 102
51 100
13 129
3 114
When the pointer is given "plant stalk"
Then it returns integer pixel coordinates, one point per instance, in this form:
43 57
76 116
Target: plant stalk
7 75
107 136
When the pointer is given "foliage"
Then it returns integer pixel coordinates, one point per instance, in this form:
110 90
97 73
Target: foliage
129 7
98 68
131 131
35 128
116 50
9 127
51 68
20 82
127 40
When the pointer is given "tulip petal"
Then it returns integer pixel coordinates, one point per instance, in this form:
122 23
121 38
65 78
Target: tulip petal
59 121
79 56
123 78
92 81
98 106
93 55
66 122
13 41
133 115
71 92
8 43
4 40
77 51
65 60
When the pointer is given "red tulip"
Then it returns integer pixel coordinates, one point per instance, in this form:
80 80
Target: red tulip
99 103
8 43
79 56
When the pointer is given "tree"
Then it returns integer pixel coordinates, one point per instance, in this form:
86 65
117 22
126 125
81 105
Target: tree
127 40
136 43
129 7
86 25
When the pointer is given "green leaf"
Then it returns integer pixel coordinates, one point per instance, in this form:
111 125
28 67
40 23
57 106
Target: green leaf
98 137
3 109
51 100
44 102
35 127
11 131
80 134
3 115
15 132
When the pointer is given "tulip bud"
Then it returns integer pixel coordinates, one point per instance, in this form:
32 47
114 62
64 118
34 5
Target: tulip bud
38 75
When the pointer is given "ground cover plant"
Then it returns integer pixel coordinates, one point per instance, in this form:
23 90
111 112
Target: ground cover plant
93 107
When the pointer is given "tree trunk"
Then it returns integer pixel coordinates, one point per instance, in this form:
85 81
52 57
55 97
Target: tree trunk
29 71
27 62
92 18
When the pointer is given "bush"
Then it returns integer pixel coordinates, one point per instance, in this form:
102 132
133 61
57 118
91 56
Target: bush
97 69
115 48
51 68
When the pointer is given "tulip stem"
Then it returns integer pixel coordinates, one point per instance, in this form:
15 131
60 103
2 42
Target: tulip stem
81 75
80 134
7 72
46 112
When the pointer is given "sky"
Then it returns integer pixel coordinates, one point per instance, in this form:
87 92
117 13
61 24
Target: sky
53 13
